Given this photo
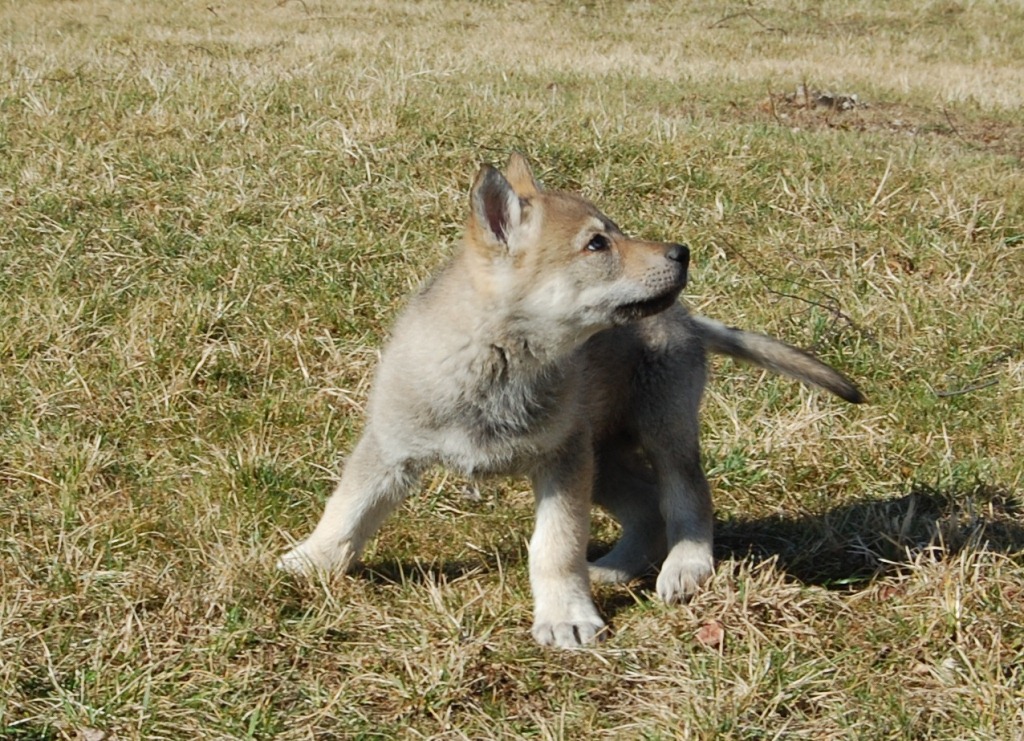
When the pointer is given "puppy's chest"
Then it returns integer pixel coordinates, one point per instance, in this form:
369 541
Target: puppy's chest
499 410
502 423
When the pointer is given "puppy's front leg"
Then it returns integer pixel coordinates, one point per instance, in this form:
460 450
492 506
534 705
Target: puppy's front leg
564 612
371 486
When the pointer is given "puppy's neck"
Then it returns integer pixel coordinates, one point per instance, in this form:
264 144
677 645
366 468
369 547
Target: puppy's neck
503 320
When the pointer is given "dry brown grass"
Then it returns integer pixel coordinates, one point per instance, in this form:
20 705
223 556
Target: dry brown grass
212 211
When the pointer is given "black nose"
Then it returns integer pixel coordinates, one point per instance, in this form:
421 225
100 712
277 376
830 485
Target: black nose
679 253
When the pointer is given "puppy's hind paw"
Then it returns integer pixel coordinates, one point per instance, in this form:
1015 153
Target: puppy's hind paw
621 566
601 574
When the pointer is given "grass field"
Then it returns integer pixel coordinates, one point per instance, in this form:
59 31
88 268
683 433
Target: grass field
211 213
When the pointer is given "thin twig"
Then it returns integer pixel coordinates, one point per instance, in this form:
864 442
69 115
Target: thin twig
746 14
831 307
771 104
1001 357
726 19
952 126
282 3
942 394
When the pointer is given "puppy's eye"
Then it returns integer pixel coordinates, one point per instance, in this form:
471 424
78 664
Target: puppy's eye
598 243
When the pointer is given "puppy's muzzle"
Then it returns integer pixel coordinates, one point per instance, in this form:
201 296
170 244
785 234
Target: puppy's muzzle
665 281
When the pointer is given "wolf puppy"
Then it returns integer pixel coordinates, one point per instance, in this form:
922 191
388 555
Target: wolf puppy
552 345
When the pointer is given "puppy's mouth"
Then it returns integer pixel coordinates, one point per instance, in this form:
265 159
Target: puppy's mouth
640 309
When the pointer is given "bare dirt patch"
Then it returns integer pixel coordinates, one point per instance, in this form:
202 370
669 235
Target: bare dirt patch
809 108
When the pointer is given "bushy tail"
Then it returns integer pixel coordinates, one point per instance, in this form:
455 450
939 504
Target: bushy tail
774 355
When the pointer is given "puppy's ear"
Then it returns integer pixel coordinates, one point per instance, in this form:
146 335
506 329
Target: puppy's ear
496 209
520 177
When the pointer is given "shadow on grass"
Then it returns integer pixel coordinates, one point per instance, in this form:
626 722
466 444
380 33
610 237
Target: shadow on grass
846 547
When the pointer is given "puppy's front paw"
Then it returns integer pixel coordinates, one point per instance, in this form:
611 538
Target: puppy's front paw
682 574
570 624
306 559
296 562
570 634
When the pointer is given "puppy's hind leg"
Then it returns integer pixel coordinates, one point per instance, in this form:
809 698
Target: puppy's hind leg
626 489
370 488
